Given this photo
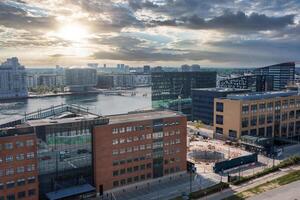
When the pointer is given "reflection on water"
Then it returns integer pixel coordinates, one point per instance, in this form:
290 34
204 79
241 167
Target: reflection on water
100 104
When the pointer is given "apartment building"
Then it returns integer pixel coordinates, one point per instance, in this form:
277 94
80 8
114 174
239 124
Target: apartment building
138 147
268 114
18 164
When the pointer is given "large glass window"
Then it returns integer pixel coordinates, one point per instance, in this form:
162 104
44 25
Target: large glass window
219 119
219 107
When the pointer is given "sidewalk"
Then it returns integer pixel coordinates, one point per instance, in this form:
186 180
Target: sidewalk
253 183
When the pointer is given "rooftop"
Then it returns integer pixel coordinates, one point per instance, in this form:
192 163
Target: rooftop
221 89
142 116
261 95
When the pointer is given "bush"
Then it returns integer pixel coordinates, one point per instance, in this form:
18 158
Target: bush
210 190
288 162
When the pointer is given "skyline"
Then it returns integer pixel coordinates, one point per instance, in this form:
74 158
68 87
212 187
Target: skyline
216 33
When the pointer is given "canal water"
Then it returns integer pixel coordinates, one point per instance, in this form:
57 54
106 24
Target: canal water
97 103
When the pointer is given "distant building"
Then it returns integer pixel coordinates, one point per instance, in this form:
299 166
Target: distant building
12 79
172 90
105 81
147 69
93 65
80 79
262 114
282 74
203 102
192 68
255 83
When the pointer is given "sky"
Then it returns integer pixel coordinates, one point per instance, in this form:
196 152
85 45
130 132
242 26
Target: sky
218 33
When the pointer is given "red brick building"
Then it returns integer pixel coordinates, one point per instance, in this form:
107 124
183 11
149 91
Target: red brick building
18 164
137 147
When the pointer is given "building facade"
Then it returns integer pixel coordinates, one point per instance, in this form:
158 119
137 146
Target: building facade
282 74
269 114
12 79
255 83
138 147
203 102
18 164
172 90
66 152
80 79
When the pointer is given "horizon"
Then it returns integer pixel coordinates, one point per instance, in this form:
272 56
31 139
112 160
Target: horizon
214 33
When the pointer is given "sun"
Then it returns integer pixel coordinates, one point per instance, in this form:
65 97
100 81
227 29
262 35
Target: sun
73 32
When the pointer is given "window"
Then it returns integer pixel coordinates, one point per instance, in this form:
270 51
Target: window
219 130
115 131
149 166
253 132
253 121
1 186
135 148
142 147
129 180
123 182
8 146
129 139
292 114
245 122
21 169
262 119
10 171
21 182
261 132
129 170
30 155
20 156
245 109
270 118
31 192
122 150
270 106
253 108
219 107
284 116
30 168
116 173
122 140
1 172
136 178
219 119
10 184
31 179
129 149
29 143
135 138
115 152
122 171
9 158
177 141
158 135
232 133
116 183
19 144
262 107
148 136
115 141
246 132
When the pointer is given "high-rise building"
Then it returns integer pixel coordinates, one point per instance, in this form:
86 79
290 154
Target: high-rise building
80 79
282 74
12 79
203 102
172 90
265 114
66 152
147 69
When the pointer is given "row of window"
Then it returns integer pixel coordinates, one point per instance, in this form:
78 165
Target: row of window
262 107
18 144
132 169
140 127
156 135
18 170
132 180
143 147
19 182
19 195
10 158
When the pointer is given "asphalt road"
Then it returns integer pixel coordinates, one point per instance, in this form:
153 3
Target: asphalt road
286 192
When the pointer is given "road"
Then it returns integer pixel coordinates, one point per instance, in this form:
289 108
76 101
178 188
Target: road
286 192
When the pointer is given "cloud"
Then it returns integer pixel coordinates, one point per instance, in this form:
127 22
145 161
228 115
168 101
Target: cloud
236 22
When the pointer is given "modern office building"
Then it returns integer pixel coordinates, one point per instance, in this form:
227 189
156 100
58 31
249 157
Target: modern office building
71 153
203 102
255 83
80 79
282 74
12 79
172 90
136 147
268 114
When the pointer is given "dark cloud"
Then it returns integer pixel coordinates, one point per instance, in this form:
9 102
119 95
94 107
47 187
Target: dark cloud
16 17
237 22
